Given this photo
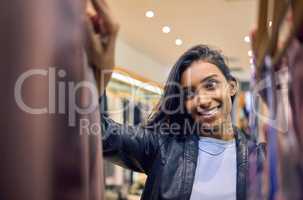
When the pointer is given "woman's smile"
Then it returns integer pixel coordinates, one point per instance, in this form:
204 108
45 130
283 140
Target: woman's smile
208 115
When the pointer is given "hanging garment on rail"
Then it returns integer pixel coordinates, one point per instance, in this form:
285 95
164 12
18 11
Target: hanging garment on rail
43 153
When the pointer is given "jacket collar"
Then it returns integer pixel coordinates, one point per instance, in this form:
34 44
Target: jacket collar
242 163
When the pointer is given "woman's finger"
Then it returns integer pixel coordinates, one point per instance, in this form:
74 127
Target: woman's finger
106 18
89 38
93 44
102 10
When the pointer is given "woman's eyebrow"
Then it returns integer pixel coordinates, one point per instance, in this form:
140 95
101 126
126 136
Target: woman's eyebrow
203 80
208 77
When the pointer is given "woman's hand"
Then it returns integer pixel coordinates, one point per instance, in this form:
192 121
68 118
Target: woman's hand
102 30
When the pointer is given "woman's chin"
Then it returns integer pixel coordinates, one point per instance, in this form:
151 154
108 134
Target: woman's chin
207 120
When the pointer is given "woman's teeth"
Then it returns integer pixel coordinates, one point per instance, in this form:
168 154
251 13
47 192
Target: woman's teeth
210 112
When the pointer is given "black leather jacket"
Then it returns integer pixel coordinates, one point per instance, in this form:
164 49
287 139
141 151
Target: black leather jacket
169 161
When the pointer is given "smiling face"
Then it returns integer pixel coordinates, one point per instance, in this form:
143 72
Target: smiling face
208 94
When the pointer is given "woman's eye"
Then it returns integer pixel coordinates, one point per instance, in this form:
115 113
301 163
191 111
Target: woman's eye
210 85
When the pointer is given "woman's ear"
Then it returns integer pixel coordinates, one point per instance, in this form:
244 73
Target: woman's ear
233 87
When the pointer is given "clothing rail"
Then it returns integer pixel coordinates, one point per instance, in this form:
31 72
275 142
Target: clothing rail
265 41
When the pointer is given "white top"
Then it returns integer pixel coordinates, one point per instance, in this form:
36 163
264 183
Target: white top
216 172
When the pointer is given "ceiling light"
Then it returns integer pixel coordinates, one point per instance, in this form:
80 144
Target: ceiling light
149 14
178 42
270 23
166 29
250 53
247 39
251 61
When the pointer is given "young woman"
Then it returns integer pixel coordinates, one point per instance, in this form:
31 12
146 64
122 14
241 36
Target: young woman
189 148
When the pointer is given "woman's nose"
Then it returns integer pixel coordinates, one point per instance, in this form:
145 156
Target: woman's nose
203 101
